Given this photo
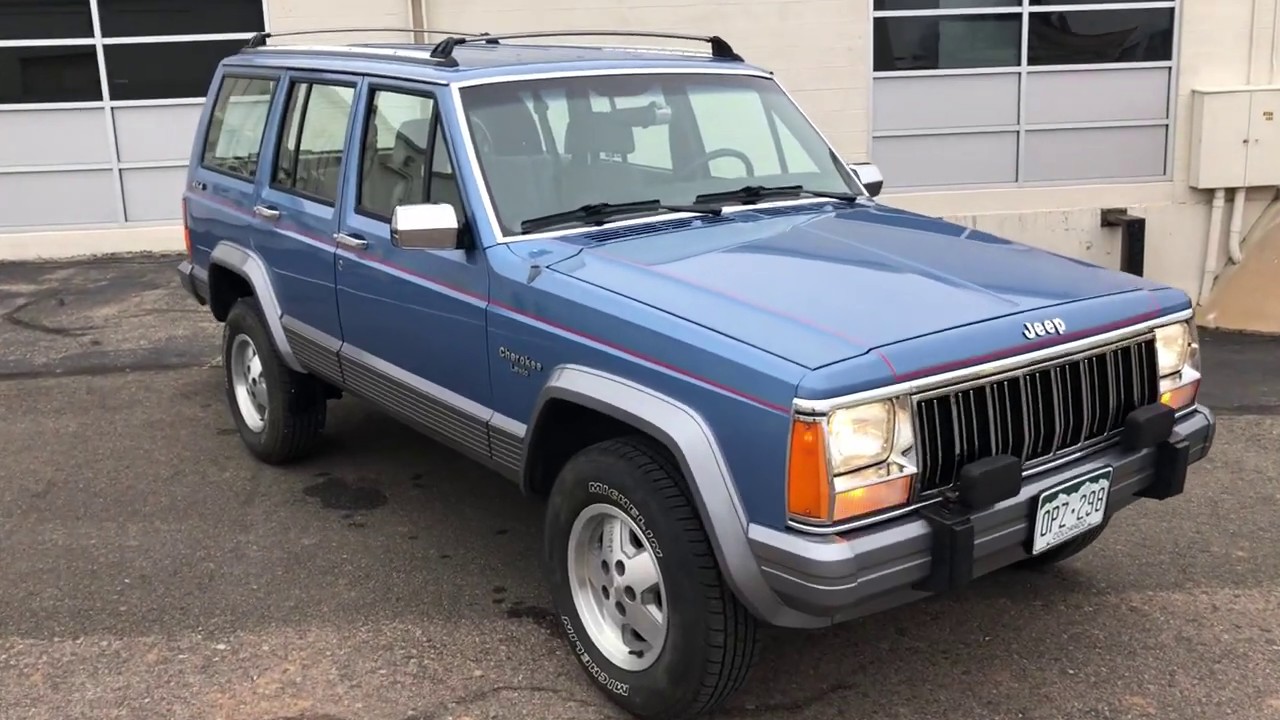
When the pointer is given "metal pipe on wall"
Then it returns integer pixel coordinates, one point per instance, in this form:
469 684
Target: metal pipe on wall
1275 39
1237 221
1211 244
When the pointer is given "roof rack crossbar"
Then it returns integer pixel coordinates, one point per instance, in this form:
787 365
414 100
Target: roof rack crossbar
720 48
259 39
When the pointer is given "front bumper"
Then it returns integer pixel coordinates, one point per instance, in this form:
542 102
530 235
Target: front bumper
829 579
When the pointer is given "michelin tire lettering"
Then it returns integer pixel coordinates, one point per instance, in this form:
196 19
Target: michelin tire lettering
600 675
600 488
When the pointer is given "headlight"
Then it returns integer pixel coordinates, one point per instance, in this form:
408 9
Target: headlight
1178 358
860 436
852 462
1173 343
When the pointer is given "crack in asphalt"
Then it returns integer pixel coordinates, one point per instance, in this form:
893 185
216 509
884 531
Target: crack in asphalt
12 318
446 708
80 371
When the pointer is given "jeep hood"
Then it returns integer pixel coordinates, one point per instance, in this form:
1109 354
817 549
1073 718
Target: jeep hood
817 286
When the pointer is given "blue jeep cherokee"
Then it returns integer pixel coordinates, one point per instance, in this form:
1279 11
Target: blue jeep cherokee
642 285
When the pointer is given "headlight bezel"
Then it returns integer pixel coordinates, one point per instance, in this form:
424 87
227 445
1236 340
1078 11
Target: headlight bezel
881 482
1179 388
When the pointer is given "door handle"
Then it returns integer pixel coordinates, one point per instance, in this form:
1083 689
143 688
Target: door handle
355 243
263 211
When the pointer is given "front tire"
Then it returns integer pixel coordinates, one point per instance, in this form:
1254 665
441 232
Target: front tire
640 597
279 412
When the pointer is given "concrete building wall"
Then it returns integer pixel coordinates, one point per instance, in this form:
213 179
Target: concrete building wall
821 51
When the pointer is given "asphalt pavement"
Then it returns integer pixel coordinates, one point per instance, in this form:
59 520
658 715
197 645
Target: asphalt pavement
149 568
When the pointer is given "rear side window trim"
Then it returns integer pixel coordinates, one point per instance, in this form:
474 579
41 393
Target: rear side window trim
289 83
227 76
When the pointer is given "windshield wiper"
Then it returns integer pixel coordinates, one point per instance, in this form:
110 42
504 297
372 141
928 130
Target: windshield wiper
600 213
750 194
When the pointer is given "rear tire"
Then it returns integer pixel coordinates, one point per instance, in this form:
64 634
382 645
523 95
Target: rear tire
639 595
279 412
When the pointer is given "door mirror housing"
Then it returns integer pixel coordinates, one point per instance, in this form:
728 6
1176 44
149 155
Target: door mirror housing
870 176
426 226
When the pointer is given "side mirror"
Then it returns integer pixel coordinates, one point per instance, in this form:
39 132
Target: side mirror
428 226
870 176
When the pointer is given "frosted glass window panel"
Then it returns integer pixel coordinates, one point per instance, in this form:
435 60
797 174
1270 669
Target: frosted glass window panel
153 193
138 138
53 137
946 101
952 159
1098 95
70 197
1095 153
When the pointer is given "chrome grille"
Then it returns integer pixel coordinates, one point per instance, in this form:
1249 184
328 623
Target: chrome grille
1036 414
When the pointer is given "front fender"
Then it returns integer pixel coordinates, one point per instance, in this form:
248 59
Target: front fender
692 443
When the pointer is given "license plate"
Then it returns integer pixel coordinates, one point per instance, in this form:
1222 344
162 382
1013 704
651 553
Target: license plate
1070 509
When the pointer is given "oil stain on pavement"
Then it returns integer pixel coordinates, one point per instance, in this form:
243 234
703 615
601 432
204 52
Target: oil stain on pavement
335 493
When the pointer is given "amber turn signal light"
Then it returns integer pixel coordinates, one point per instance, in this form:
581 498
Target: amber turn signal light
808 486
1181 397
874 498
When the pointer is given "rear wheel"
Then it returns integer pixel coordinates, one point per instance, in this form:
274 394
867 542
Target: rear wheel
279 412
641 600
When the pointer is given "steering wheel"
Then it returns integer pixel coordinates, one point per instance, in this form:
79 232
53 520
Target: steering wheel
716 154
484 141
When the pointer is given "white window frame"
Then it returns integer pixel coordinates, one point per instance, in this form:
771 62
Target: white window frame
107 105
1022 71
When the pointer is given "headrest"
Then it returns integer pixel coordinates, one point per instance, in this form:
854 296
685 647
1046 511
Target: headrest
596 133
416 133
412 138
510 127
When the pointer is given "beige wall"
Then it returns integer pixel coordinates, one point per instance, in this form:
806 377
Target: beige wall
293 15
820 51
818 48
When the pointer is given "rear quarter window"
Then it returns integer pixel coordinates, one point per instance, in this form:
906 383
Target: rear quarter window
237 125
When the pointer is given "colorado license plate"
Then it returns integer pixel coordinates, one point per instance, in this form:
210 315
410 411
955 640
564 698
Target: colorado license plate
1070 509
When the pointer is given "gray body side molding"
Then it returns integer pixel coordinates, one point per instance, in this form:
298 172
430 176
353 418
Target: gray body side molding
250 266
694 446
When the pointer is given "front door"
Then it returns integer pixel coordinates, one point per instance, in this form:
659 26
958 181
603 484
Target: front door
413 321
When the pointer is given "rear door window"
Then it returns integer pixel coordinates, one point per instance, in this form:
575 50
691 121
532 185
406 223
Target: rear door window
309 161
237 125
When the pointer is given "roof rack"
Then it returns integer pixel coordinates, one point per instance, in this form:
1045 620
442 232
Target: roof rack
259 39
443 50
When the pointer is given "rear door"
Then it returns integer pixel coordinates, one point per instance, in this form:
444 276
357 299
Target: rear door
299 205
220 191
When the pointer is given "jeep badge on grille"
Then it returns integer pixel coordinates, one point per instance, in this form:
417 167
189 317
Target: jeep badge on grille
1034 330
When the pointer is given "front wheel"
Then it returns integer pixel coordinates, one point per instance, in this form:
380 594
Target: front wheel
640 598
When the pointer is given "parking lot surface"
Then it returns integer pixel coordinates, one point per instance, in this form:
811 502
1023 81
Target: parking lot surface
149 568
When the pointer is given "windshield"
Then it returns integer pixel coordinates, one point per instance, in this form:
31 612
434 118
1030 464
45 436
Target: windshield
554 145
